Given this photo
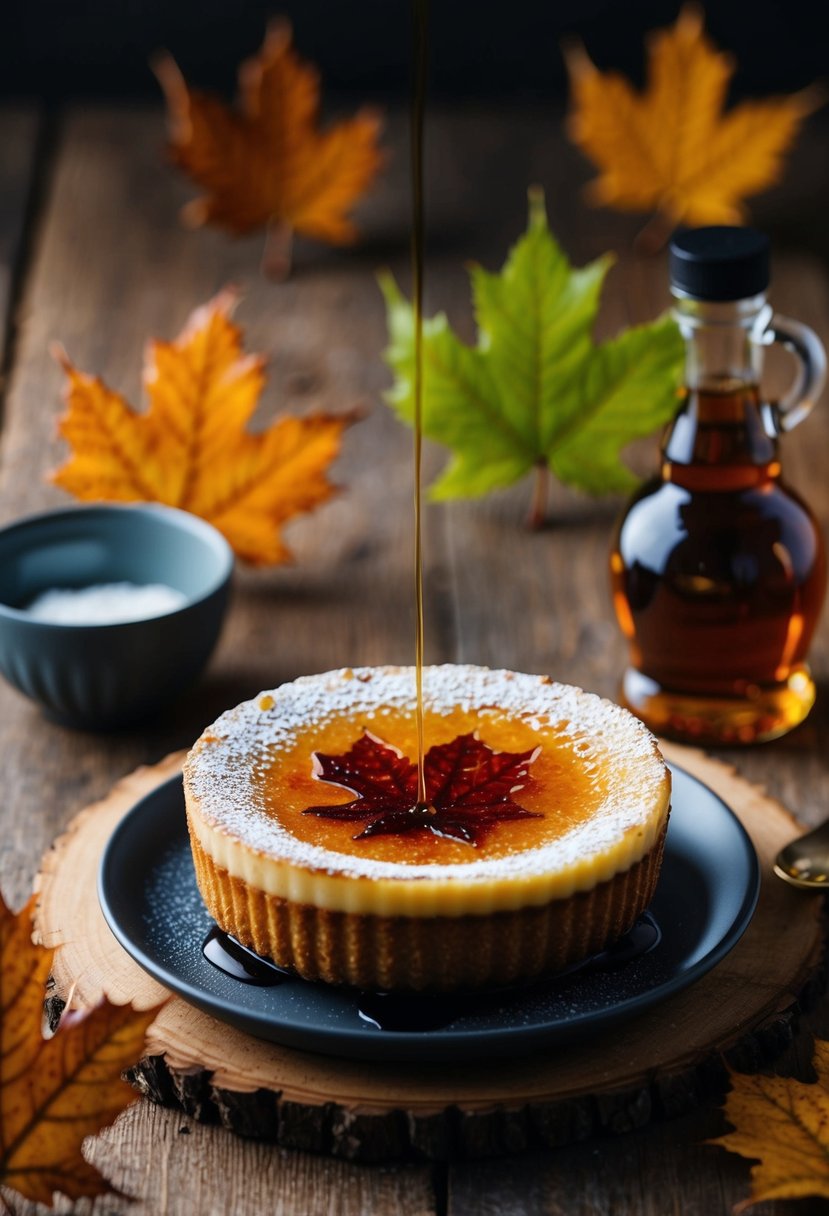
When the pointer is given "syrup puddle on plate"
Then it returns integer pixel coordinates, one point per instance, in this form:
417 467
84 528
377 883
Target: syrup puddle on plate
423 1011
240 963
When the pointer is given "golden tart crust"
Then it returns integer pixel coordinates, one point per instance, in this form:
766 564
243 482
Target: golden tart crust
417 910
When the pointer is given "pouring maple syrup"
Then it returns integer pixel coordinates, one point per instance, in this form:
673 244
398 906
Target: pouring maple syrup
718 567
420 36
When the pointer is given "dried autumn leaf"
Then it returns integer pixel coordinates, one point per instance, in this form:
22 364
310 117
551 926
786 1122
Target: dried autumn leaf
55 1092
469 788
268 162
784 1125
673 148
191 448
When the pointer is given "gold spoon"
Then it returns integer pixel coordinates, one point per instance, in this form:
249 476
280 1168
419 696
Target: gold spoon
804 862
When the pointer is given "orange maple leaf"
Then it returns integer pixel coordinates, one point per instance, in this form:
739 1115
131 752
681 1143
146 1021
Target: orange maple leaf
672 148
55 1092
191 448
267 162
784 1125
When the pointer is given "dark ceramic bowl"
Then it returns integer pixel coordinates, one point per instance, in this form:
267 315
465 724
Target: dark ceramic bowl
104 676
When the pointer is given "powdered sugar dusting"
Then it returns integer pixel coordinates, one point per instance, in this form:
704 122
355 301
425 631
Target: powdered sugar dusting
224 769
105 603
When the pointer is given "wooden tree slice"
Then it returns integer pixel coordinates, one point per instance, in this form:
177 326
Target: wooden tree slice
656 1065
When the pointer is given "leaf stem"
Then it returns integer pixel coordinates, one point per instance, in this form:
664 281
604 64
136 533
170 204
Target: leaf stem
538 508
277 255
655 235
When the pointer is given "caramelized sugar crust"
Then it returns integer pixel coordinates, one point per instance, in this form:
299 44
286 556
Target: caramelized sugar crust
598 782
564 786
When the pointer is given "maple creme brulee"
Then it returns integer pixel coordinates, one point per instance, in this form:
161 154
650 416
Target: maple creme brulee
539 844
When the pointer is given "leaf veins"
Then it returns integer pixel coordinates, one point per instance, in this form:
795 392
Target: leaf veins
783 1124
191 449
267 162
673 148
56 1092
469 788
535 392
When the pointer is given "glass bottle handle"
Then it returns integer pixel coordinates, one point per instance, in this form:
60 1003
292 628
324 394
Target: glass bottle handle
810 354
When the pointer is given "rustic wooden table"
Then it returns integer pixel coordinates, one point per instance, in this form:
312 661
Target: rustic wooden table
92 254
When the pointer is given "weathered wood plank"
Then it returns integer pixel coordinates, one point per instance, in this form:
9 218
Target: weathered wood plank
20 128
662 1171
665 1170
178 1167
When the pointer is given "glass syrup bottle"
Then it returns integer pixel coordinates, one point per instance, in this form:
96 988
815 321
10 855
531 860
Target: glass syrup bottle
718 568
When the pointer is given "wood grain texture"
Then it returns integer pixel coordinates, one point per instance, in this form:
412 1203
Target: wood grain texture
110 266
20 130
179 1167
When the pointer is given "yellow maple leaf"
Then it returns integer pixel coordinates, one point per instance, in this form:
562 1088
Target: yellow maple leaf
191 448
267 161
672 148
55 1092
784 1125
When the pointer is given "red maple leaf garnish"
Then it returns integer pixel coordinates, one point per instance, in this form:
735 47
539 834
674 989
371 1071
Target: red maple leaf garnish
469 788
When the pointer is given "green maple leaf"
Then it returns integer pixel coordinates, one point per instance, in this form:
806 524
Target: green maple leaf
536 390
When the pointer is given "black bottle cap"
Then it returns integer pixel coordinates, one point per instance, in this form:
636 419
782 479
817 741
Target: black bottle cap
720 263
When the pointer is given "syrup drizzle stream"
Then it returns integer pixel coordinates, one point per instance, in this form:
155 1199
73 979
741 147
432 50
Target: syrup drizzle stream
423 1011
420 21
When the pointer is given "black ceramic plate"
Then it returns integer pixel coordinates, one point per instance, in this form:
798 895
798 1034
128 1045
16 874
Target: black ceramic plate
706 895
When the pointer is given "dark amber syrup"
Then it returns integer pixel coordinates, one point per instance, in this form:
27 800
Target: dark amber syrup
420 35
240 963
411 1012
718 575
419 1012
